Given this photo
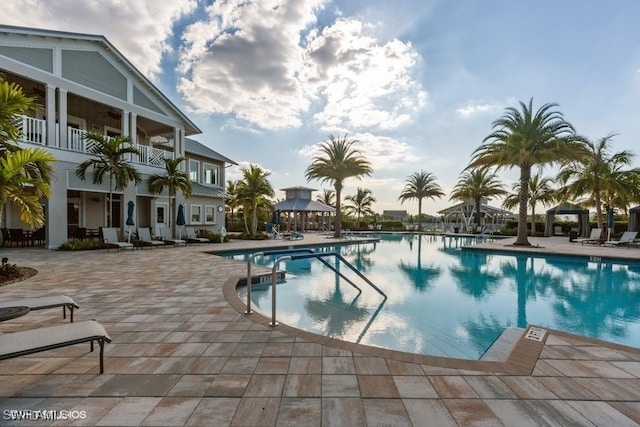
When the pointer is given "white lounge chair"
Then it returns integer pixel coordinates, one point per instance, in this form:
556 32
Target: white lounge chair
144 237
164 235
625 240
594 237
110 237
192 238
41 303
31 341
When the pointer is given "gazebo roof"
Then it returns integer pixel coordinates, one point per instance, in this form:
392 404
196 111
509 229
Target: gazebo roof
465 206
567 209
302 205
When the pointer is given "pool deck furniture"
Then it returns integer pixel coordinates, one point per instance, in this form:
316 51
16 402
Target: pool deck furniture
168 240
13 312
31 341
594 238
42 303
144 237
110 237
192 238
626 239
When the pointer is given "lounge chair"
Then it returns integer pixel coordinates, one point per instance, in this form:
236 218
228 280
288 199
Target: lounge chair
31 341
595 237
144 237
162 231
626 239
41 303
192 238
110 237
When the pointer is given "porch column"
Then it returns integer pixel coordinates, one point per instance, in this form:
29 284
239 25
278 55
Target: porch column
126 118
56 207
50 113
133 136
178 143
62 119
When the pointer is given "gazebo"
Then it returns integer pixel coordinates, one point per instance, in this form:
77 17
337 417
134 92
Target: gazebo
568 209
298 205
463 214
634 216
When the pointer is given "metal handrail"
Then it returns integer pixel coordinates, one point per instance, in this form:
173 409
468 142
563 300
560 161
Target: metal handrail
266 253
318 256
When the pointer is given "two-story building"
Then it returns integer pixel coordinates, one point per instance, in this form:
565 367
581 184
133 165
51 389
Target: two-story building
82 83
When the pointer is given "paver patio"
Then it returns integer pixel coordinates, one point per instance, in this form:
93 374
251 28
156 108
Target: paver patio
184 353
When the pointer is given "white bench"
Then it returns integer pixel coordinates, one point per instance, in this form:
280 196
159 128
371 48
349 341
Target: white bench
41 303
31 341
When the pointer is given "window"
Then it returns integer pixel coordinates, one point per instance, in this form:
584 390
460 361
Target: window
211 174
196 214
194 170
161 213
209 214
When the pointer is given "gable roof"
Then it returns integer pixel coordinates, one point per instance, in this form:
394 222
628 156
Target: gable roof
106 47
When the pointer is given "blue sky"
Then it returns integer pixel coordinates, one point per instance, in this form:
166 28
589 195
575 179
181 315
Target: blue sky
417 83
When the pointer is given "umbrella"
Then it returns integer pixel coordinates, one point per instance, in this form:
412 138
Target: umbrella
130 222
180 219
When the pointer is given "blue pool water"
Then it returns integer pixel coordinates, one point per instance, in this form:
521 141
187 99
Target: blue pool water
445 301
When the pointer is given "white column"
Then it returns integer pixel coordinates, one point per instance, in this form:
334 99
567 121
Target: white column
126 119
50 113
62 117
133 134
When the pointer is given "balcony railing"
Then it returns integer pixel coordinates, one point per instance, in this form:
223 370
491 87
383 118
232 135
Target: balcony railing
34 131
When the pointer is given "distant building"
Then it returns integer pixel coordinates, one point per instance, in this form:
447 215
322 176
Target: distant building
397 215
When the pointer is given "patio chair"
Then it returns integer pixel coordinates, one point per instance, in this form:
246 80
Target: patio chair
164 235
192 238
110 237
144 237
6 238
42 303
625 240
31 341
594 238
17 235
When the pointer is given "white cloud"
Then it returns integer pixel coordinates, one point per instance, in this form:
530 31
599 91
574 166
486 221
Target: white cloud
138 29
471 109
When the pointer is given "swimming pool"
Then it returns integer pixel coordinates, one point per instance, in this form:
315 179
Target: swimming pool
444 301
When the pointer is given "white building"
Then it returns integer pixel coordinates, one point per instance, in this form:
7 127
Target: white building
81 82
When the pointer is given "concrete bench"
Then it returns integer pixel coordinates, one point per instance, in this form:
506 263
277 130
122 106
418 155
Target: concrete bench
41 303
31 341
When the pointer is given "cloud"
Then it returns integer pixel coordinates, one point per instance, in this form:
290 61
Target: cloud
138 29
471 109
270 66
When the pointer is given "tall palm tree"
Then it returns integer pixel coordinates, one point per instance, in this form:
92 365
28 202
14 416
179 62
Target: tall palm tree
174 179
231 201
252 190
524 139
420 185
360 204
337 162
328 197
540 191
598 173
477 184
22 189
110 160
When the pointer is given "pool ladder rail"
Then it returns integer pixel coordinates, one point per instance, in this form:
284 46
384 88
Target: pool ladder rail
301 253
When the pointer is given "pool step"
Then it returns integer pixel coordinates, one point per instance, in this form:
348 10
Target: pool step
502 346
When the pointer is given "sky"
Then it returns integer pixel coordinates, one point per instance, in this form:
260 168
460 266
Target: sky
417 84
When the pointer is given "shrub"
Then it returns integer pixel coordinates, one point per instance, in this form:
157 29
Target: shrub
7 269
82 245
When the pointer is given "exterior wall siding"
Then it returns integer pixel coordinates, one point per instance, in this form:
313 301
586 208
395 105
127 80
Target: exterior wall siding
91 69
36 57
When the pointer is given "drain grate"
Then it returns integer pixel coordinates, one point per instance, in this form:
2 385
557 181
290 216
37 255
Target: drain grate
535 334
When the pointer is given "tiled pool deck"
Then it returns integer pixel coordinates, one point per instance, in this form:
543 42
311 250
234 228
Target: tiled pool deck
183 353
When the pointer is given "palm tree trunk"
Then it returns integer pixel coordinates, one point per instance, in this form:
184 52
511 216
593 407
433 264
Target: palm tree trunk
254 220
598 200
338 220
478 203
533 221
419 214
110 207
523 198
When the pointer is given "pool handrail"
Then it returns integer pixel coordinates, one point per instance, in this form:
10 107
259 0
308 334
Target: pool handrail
266 253
319 256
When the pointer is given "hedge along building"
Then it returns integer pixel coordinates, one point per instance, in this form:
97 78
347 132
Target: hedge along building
82 83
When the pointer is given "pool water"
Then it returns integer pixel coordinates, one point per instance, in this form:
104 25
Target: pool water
444 301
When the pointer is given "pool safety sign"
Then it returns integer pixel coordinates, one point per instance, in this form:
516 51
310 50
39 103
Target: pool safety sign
535 334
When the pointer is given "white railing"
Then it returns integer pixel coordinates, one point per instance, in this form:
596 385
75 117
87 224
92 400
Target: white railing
150 156
33 130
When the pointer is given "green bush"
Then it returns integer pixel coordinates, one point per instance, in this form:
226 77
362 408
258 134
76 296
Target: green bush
82 245
213 237
7 269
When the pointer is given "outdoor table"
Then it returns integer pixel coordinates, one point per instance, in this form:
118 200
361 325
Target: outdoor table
8 313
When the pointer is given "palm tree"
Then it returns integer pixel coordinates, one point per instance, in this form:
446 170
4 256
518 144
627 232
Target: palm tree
13 104
110 160
419 186
174 180
23 189
477 184
598 173
524 139
540 191
328 197
231 201
337 162
252 191
361 203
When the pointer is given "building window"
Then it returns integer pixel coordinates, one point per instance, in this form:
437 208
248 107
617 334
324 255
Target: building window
211 174
209 214
196 214
194 170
